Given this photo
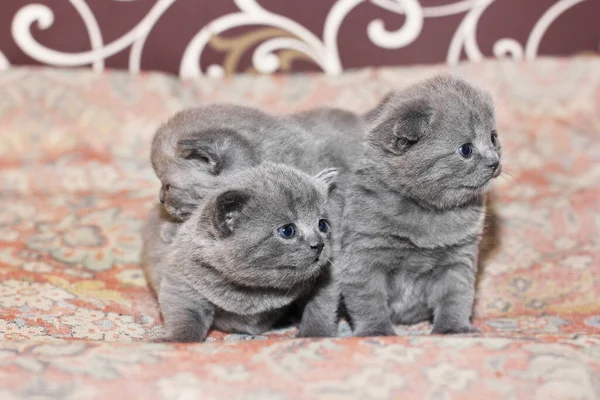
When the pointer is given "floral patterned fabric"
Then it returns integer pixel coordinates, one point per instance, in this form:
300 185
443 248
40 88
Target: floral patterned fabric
76 184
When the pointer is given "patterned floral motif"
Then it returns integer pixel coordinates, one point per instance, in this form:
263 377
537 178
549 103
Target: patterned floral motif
20 331
96 240
72 202
447 376
180 386
96 325
133 277
466 369
34 295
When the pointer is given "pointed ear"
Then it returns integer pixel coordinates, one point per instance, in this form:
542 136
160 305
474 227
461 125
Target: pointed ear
328 177
198 149
225 210
401 124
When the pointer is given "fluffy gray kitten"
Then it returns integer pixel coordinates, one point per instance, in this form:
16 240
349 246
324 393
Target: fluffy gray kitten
195 148
415 208
249 250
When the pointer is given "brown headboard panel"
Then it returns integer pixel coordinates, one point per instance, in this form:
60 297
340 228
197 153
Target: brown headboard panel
220 37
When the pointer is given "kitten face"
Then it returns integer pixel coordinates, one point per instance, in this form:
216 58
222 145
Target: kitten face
438 141
273 231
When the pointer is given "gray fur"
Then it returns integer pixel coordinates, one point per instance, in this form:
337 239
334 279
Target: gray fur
415 208
227 267
195 148
198 148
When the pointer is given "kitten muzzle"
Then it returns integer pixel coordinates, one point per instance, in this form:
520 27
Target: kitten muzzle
497 170
318 248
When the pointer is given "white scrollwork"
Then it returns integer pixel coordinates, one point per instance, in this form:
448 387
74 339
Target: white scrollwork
44 17
334 20
135 55
403 36
535 37
429 11
215 71
251 13
92 28
322 50
465 35
4 64
266 62
508 47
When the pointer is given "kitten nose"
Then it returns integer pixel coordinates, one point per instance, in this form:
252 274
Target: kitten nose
494 165
318 248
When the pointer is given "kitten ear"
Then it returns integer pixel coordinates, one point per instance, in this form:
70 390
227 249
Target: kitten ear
372 115
225 210
401 123
198 149
328 177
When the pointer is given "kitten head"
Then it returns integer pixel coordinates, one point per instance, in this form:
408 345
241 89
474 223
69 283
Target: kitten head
437 142
196 148
269 227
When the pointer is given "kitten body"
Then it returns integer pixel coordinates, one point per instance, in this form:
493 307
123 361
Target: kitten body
227 266
197 149
415 207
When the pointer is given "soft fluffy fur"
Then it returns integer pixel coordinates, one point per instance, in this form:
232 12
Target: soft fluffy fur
198 146
415 209
196 149
227 267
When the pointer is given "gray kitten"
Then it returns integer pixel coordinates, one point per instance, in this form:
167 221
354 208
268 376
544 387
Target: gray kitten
415 208
195 148
248 251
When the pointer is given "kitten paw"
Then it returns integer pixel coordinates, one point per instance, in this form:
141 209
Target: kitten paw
452 330
161 339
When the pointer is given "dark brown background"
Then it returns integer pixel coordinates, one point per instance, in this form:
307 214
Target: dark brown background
576 30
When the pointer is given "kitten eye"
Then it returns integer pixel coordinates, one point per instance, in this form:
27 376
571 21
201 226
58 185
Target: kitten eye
494 138
323 225
287 231
466 150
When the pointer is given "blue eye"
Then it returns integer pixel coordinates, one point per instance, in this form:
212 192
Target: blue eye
287 231
323 225
466 150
